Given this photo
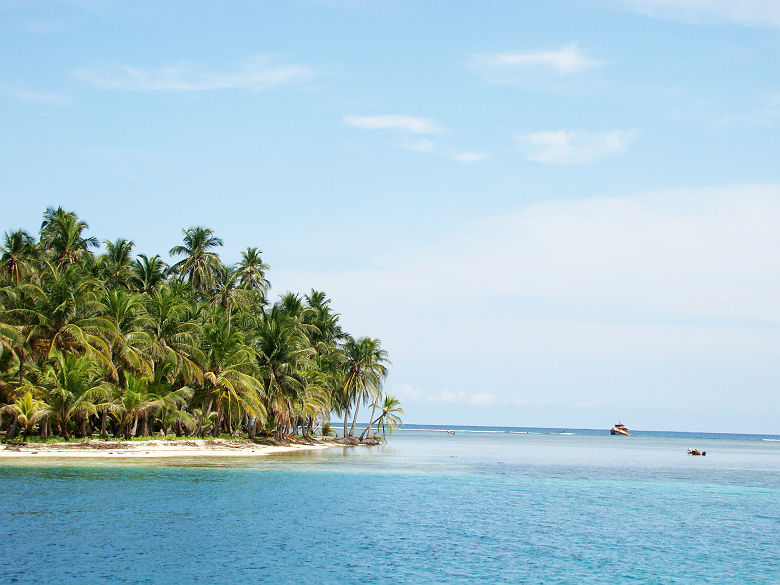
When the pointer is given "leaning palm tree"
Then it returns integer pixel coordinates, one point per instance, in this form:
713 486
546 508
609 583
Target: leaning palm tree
200 263
365 371
388 418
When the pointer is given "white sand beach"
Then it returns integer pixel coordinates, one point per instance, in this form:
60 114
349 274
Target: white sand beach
156 449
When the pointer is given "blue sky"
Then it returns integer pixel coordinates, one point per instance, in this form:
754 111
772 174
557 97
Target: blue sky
552 214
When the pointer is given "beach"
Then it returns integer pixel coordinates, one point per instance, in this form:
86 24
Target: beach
208 448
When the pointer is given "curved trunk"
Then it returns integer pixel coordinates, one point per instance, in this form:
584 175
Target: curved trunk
370 422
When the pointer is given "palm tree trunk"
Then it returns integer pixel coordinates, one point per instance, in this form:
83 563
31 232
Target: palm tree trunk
103 420
144 425
370 422
354 419
346 413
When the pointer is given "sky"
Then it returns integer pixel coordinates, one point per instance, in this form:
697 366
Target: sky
552 214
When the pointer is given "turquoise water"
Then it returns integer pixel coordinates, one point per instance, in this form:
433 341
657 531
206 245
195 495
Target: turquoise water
474 507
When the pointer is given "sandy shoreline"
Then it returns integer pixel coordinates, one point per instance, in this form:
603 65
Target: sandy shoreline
156 449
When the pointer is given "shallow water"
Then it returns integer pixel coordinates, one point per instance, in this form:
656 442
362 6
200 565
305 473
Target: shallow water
464 508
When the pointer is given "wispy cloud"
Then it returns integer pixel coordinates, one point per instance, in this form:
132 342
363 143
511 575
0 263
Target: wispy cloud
411 124
44 98
754 13
567 59
471 157
568 147
262 73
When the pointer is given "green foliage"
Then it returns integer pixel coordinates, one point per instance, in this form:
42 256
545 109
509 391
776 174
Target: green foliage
123 346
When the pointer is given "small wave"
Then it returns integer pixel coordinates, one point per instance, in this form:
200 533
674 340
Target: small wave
523 433
772 440
563 433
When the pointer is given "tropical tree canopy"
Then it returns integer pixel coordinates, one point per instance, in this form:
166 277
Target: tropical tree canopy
110 343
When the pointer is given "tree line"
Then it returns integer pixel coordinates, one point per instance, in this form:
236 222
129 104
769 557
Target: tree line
126 346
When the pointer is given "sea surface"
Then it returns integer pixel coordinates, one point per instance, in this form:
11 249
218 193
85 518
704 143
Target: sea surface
479 506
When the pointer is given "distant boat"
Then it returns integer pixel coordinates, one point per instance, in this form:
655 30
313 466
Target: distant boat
619 429
450 432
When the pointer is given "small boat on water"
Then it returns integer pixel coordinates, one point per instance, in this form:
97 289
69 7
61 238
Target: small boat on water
619 429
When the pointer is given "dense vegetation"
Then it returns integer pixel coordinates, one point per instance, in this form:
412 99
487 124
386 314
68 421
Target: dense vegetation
125 346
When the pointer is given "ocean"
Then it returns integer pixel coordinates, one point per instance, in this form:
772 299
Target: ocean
482 505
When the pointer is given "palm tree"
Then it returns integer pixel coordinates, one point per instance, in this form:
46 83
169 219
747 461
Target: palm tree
230 377
251 270
70 381
227 294
200 265
148 273
365 372
283 354
388 418
18 252
62 235
131 346
174 333
132 402
62 312
117 263
27 411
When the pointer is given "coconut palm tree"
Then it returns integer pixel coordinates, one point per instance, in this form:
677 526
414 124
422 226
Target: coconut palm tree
27 411
230 376
284 354
116 263
174 333
70 380
365 371
388 418
251 270
18 254
62 312
200 265
62 236
148 273
131 346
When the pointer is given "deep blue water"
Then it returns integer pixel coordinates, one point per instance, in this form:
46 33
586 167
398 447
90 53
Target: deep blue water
532 506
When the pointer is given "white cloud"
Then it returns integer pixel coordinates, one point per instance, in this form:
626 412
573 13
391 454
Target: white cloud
409 124
755 13
260 74
405 391
471 157
45 98
421 145
567 59
707 252
482 398
568 147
